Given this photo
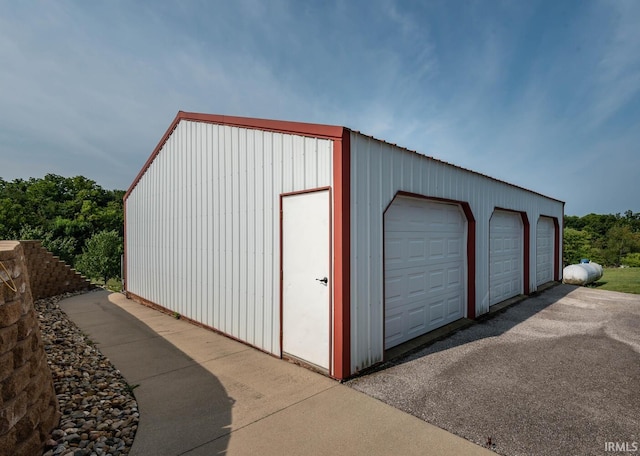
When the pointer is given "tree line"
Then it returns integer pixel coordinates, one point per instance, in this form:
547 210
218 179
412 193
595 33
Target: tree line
75 218
83 224
611 240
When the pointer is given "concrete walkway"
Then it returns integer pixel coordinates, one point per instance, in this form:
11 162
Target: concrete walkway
201 393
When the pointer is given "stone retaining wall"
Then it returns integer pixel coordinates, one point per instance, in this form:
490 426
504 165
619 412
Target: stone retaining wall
28 404
51 276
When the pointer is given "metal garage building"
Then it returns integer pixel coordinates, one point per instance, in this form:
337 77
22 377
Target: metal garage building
324 245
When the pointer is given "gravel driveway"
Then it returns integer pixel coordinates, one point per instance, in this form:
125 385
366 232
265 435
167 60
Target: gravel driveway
557 374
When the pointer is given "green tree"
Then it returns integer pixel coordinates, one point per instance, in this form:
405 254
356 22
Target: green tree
598 225
573 221
577 245
62 212
619 241
606 239
101 256
633 220
63 247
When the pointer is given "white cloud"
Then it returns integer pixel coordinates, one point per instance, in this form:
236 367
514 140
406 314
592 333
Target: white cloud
522 92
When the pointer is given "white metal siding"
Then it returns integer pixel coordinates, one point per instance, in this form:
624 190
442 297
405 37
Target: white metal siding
378 171
203 224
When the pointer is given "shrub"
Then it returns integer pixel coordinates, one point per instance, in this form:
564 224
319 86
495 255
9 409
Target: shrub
632 260
101 256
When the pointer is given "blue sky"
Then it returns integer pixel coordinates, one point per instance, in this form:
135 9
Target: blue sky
545 95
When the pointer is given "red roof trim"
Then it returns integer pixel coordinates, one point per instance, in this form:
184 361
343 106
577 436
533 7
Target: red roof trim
278 126
282 126
477 173
297 128
153 155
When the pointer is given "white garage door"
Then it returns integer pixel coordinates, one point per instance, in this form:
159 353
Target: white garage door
424 267
505 256
544 250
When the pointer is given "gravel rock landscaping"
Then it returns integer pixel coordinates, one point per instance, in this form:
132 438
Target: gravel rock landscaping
99 411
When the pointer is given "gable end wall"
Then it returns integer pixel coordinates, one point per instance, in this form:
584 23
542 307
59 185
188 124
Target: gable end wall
202 224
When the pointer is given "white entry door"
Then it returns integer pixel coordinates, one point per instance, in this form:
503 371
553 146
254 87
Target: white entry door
306 276
505 256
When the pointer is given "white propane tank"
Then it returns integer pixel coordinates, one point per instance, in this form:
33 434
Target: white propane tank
582 274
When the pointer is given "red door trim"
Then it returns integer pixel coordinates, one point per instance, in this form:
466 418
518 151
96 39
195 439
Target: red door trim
281 285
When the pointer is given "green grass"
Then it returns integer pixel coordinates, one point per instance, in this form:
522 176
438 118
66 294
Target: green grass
626 280
112 284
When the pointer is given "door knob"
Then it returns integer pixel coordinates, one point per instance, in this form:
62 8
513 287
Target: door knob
324 280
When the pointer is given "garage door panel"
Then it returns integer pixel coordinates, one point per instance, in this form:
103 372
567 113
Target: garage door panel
545 234
393 290
393 327
454 248
393 251
416 285
410 247
406 271
436 281
454 305
454 277
409 281
436 313
437 216
416 249
440 263
405 249
436 249
416 318
424 267
505 256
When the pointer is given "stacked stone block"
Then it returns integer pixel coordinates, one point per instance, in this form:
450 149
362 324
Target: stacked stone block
28 405
51 276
